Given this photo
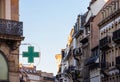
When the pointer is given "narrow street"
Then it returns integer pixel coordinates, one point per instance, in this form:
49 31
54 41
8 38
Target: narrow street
60 41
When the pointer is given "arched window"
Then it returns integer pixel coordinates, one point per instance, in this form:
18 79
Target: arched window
3 68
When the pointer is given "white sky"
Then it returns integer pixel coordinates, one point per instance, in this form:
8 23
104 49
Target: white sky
47 24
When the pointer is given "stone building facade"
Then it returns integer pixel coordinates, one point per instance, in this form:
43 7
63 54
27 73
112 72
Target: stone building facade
109 41
96 49
30 74
11 35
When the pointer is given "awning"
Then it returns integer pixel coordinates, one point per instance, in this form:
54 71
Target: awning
91 60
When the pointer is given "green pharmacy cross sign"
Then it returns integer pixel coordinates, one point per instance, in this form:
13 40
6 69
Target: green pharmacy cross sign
30 54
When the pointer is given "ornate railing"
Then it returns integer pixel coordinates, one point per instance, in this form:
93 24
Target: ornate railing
104 43
78 32
70 69
10 27
84 40
111 78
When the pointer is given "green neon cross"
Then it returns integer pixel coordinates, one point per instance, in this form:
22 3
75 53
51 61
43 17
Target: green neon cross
30 54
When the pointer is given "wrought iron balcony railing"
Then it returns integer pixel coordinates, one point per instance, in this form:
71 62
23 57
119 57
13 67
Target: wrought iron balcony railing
84 40
104 43
116 36
78 32
70 69
105 65
10 27
113 78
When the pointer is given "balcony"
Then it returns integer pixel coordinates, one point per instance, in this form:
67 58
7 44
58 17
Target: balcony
79 32
70 69
104 66
84 40
10 29
116 36
111 78
104 43
68 54
92 62
76 75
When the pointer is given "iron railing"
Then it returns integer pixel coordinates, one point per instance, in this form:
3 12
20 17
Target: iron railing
104 43
10 27
112 78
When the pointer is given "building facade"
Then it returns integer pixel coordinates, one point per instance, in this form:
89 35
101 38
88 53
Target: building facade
95 47
30 74
11 35
109 41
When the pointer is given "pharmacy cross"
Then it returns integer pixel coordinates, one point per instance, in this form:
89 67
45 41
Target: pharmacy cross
30 54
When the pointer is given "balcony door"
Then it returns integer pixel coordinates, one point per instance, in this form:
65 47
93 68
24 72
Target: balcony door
3 69
2 8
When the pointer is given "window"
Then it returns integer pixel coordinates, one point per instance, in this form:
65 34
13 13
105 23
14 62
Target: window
102 15
2 8
109 10
4 67
106 30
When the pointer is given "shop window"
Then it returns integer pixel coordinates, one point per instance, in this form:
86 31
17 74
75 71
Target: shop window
3 68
